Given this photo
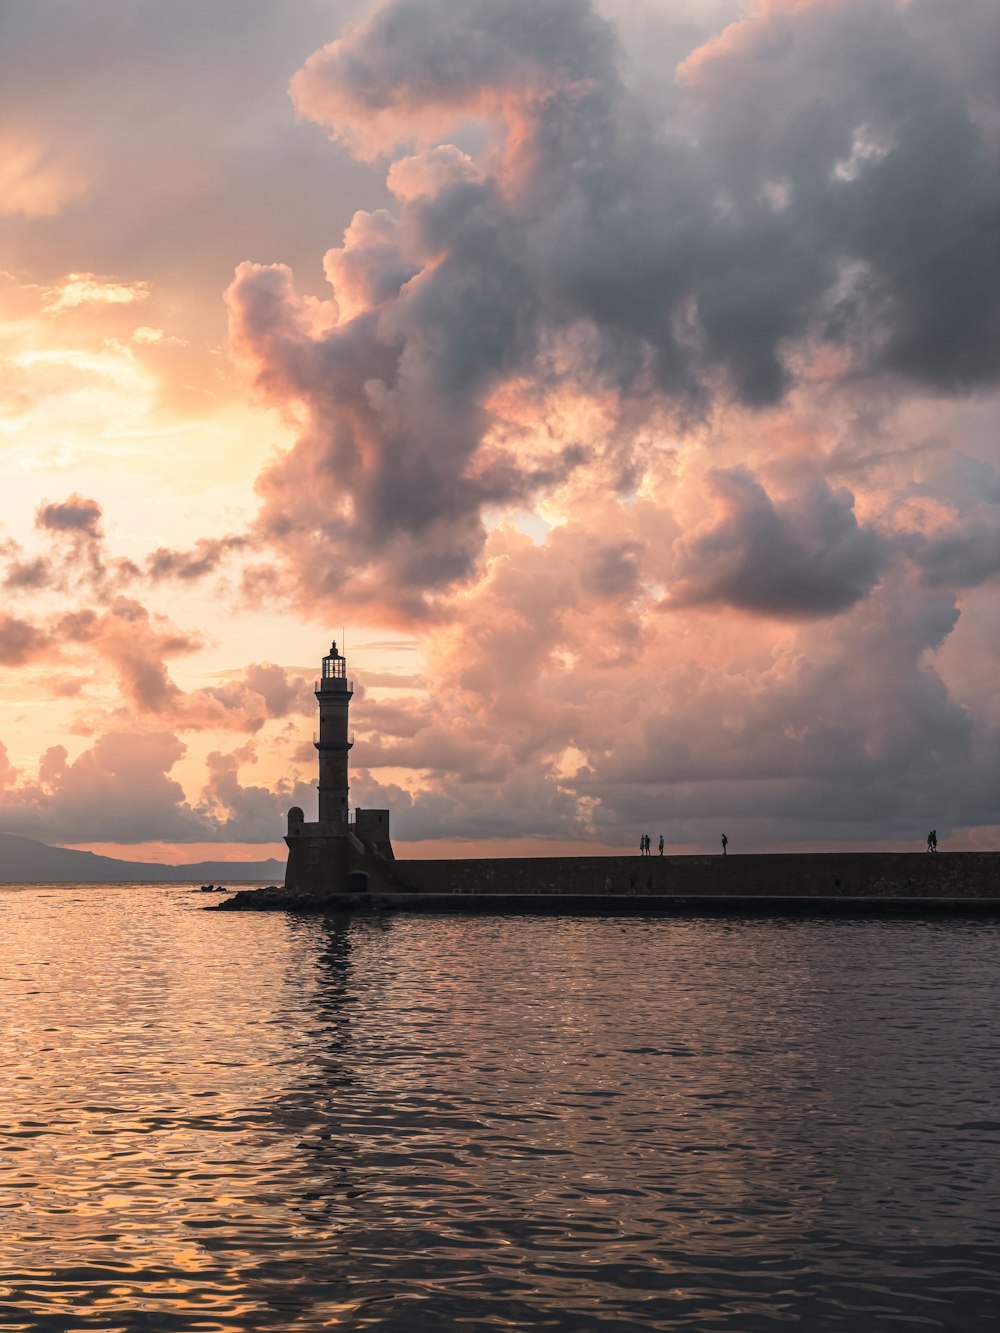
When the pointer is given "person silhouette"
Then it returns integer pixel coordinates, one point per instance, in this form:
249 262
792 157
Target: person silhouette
932 840
725 844
661 844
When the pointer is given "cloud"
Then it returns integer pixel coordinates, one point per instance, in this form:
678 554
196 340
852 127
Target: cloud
526 806
28 575
76 523
146 336
134 643
808 557
79 562
887 166
417 68
282 692
118 790
89 289
8 773
369 268
263 691
73 515
245 813
963 556
590 255
204 558
20 641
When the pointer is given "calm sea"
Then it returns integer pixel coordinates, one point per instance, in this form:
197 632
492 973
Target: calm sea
239 1122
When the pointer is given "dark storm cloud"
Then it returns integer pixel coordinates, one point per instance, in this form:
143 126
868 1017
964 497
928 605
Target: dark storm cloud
874 125
855 133
963 556
828 174
961 549
800 559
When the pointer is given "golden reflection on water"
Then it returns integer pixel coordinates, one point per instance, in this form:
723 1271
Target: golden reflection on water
218 1122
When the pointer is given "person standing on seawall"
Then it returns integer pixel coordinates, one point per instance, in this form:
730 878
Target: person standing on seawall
661 844
725 844
932 840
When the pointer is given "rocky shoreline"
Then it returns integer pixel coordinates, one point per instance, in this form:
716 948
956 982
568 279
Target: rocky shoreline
274 899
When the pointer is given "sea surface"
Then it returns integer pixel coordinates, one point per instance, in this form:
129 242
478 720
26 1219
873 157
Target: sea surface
219 1121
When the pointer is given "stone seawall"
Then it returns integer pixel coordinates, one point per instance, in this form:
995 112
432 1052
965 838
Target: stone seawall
806 874
616 884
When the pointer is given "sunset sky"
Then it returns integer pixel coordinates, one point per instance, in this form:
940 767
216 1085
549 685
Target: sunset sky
621 378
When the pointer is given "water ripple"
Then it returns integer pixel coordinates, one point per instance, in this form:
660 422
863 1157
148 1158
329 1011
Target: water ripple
217 1123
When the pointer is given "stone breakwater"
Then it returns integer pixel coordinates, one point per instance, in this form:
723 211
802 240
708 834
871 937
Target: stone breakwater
805 882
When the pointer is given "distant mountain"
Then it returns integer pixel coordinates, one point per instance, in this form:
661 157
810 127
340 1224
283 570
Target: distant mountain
25 861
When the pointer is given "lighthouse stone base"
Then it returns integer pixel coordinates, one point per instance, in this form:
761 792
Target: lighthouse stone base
329 858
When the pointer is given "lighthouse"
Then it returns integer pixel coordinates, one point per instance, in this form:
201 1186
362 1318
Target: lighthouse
336 853
333 692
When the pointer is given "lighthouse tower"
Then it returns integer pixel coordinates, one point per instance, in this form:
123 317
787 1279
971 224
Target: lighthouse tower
334 853
334 692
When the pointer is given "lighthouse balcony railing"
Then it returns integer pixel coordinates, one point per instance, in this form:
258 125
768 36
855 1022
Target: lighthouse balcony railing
350 738
333 685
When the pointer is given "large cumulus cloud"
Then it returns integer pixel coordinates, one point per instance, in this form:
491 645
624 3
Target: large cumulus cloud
827 177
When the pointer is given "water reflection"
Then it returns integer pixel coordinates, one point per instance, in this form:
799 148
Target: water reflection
269 1123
